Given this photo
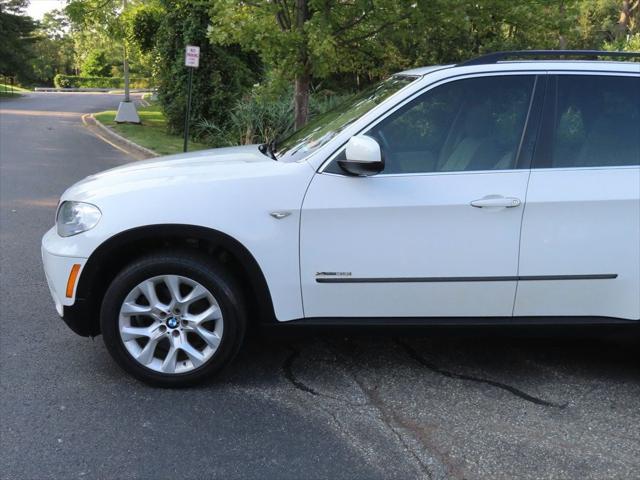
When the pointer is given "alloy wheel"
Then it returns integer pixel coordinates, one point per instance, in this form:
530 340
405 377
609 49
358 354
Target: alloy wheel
171 324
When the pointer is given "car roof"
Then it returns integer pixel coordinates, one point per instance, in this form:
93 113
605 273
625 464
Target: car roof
537 65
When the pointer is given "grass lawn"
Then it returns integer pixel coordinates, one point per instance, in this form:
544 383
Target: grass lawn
152 133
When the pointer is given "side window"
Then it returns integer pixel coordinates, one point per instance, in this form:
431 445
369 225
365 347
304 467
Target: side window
595 122
464 125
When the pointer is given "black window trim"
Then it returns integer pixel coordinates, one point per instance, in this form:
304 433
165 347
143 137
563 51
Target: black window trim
533 122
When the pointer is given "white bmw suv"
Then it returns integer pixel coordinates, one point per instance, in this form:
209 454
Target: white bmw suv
489 192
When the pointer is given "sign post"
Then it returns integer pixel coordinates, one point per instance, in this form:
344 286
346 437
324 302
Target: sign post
191 61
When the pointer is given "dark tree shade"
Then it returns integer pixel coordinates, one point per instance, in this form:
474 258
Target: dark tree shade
16 32
143 27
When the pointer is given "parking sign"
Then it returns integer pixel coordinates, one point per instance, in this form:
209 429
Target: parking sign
192 56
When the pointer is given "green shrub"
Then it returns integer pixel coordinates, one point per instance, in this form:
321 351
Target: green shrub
76 81
224 74
252 120
261 117
631 43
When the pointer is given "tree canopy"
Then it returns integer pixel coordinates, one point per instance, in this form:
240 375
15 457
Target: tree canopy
311 40
304 39
16 31
268 49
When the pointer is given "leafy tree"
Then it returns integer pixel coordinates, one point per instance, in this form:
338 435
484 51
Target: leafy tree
96 64
225 73
55 24
454 30
142 24
53 49
307 39
16 31
107 16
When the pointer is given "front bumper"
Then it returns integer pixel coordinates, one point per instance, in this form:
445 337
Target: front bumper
57 269
76 317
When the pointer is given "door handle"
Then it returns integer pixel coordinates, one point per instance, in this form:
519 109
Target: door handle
496 201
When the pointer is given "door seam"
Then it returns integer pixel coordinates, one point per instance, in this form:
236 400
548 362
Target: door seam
538 127
524 211
304 197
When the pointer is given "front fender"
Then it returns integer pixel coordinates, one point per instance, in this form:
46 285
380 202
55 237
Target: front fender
237 208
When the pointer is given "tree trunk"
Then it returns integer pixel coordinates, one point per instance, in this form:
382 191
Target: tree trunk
302 83
562 41
301 99
624 21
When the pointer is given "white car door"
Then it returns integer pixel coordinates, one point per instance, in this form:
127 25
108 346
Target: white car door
580 251
436 233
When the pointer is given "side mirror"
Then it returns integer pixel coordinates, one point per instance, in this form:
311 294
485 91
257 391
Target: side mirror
363 156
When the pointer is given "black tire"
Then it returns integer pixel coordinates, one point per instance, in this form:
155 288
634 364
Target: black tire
203 270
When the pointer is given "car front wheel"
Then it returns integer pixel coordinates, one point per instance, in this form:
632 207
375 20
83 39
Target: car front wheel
173 320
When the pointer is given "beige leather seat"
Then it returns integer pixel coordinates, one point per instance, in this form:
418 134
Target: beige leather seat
477 130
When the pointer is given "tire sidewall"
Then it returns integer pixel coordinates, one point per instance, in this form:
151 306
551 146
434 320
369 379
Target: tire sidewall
212 276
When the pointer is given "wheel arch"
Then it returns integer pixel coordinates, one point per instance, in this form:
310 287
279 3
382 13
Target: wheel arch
113 254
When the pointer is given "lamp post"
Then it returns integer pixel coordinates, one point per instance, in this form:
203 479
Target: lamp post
127 112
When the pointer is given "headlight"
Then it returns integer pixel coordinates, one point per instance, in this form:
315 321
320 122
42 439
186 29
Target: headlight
76 217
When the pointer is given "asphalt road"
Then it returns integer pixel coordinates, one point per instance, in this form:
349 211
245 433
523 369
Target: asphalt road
316 406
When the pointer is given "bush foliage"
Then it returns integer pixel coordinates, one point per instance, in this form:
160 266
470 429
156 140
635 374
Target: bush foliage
76 81
224 74
261 117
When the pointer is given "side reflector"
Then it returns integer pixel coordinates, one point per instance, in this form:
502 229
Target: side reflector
73 276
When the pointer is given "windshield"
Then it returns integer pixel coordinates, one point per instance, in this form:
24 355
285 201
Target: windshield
326 126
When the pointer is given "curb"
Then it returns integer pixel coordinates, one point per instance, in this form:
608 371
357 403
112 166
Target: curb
139 152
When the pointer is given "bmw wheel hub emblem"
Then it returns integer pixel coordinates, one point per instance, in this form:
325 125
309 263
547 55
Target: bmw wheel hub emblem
172 322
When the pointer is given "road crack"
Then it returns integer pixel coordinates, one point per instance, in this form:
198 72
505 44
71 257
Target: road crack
287 370
470 378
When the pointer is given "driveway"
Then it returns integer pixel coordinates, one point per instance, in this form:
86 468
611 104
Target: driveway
486 404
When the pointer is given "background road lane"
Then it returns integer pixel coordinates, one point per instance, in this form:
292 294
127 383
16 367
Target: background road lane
327 406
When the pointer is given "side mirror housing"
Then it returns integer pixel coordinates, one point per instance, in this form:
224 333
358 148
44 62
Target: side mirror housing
363 156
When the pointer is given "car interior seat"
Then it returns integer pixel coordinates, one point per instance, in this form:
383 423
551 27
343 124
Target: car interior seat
474 141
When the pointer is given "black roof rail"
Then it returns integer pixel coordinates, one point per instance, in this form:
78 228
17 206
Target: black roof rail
495 57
